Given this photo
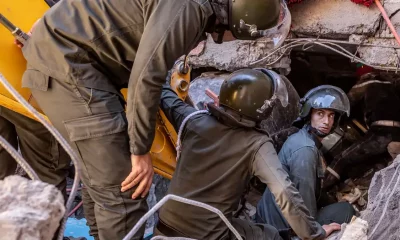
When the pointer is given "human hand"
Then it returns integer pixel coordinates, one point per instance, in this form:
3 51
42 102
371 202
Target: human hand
141 175
18 43
331 228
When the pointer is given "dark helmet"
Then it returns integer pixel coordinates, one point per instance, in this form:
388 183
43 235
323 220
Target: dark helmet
324 97
252 19
253 93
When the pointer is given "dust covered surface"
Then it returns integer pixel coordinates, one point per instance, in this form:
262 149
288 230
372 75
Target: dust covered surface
383 189
29 209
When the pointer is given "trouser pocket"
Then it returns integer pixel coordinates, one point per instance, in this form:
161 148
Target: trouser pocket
103 144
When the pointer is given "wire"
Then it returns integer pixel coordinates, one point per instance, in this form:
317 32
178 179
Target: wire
332 45
60 139
75 208
183 200
20 160
388 22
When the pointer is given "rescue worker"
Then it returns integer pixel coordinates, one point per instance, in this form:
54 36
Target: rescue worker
83 52
220 150
378 95
37 146
320 111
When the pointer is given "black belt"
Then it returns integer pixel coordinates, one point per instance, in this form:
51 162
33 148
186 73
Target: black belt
168 231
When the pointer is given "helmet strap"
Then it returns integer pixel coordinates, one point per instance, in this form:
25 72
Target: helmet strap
315 131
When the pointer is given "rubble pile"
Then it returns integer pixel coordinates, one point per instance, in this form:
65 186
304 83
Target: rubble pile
355 230
341 20
29 209
383 198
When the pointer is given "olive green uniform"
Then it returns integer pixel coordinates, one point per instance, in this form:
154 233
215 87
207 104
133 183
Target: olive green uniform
38 147
215 164
79 57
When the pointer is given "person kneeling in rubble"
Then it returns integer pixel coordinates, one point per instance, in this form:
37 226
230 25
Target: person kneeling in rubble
221 148
379 97
320 112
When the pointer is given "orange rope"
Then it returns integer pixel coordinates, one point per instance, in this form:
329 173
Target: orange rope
389 23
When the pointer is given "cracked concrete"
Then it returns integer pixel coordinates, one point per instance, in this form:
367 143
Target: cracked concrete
381 56
29 210
336 19
234 55
378 194
332 19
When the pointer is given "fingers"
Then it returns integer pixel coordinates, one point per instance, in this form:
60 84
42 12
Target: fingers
18 43
146 191
140 189
129 179
132 183
335 226
331 228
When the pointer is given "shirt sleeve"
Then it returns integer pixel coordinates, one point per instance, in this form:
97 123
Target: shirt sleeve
173 107
172 30
268 169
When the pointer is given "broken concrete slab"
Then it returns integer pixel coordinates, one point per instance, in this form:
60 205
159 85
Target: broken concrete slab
234 55
392 8
29 210
379 194
386 52
333 19
355 230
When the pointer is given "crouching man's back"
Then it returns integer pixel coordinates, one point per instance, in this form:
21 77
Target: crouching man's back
214 164
221 149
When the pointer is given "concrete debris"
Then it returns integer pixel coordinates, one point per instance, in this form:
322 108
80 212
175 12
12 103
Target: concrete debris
339 20
351 197
333 19
383 55
379 194
29 210
355 230
392 8
234 55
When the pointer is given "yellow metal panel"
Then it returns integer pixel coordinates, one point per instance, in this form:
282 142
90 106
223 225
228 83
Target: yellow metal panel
22 13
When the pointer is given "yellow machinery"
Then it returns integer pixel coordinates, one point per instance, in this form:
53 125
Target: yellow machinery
23 13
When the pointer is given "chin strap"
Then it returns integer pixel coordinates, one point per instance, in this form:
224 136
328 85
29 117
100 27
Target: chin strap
316 131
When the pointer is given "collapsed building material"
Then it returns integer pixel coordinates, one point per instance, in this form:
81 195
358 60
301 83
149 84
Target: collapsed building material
383 210
29 210
234 55
322 19
355 230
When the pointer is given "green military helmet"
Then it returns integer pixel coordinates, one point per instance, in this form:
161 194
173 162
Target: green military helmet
249 20
253 93
252 19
